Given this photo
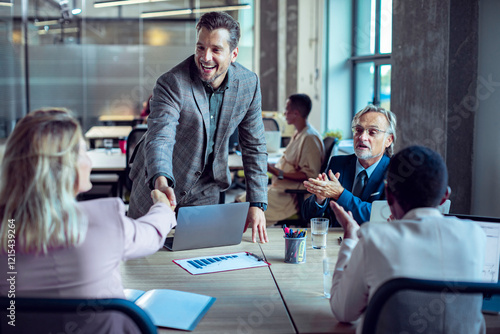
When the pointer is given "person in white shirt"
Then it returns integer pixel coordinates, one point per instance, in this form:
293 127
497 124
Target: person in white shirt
419 243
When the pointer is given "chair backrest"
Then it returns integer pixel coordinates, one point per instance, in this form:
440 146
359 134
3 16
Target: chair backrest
270 124
133 138
424 306
329 143
37 315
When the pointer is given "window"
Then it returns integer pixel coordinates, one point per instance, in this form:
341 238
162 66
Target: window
357 61
371 58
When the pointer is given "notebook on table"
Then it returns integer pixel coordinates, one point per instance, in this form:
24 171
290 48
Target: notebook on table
171 308
208 226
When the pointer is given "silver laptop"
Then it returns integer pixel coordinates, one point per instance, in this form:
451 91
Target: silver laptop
381 211
208 226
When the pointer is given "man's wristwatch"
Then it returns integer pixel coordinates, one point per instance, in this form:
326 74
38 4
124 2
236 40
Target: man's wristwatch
280 175
260 205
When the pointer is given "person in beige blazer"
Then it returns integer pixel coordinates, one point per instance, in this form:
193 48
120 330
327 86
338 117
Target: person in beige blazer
195 108
301 160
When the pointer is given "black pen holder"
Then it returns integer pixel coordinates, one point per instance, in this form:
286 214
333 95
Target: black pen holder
295 250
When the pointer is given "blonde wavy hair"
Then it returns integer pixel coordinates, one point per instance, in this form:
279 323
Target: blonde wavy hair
38 184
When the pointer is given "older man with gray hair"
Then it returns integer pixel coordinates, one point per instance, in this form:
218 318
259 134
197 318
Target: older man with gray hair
355 181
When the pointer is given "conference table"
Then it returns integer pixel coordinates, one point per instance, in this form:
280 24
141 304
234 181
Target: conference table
281 298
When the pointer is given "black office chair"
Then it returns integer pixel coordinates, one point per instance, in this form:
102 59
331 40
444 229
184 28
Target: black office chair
133 138
300 194
426 306
89 316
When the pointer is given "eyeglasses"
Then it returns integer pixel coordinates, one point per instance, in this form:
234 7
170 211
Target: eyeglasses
372 132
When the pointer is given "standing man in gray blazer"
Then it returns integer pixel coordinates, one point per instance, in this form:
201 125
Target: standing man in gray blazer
195 108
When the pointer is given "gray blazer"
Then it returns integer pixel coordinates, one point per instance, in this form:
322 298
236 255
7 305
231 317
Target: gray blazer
176 141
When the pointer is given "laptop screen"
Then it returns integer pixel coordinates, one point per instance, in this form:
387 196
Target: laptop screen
381 211
492 256
491 227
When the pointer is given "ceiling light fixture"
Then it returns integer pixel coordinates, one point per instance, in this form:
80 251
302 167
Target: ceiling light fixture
220 8
186 11
115 3
166 13
5 4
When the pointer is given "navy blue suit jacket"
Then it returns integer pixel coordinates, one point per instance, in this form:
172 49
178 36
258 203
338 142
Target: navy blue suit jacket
359 206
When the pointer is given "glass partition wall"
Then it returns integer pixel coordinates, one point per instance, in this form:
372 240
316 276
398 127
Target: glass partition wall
103 60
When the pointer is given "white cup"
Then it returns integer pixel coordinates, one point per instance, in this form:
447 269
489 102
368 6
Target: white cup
319 231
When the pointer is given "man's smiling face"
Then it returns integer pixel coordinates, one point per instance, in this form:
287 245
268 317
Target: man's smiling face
213 55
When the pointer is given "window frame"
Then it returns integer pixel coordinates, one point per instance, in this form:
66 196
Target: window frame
378 59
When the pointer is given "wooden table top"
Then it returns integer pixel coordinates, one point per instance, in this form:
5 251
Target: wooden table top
301 285
281 298
247 300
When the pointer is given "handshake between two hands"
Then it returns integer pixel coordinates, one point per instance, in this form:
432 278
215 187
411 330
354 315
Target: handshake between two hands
158 196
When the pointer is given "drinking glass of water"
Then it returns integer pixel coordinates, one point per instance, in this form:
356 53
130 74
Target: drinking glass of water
319 231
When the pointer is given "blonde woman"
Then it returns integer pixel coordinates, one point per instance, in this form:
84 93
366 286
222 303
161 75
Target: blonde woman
64 248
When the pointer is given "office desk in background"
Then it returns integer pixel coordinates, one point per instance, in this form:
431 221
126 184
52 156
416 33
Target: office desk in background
120 120
235 161
281 298
106 132
108 168
102 161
